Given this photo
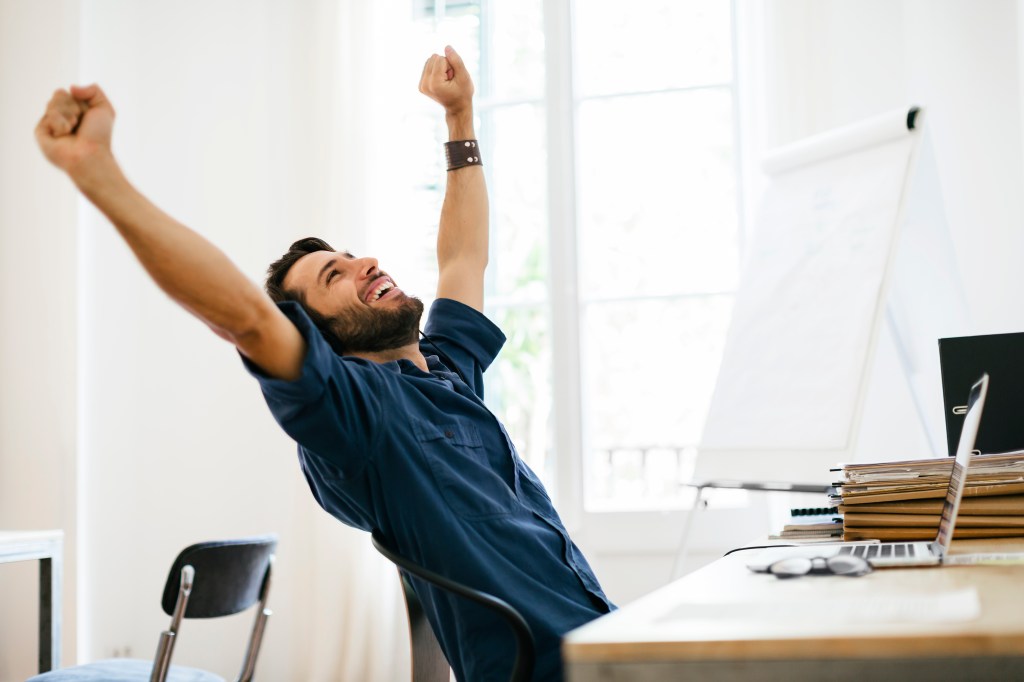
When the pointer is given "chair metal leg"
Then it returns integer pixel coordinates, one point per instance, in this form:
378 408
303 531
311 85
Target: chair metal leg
256 638
162 660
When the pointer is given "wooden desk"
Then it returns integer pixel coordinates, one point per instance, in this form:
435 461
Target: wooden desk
725 622
46 546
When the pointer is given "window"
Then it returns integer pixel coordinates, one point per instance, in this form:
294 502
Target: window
609 141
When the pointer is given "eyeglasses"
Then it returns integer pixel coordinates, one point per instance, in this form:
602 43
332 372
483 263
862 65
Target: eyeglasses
840 564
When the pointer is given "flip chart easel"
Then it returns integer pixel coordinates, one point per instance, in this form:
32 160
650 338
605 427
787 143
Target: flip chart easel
790 393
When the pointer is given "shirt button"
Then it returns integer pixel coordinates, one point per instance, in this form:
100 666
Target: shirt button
449 434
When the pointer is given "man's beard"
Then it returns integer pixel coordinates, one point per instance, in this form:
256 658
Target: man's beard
374 329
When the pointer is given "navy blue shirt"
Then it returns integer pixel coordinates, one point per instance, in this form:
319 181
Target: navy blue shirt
419 457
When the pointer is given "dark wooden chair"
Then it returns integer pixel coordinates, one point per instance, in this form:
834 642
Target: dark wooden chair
428 660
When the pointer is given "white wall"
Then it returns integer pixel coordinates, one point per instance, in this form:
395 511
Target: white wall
830 63
38 295
175 446
837 62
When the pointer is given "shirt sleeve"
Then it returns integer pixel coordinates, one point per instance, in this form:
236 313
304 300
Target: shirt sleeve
332 409
466 335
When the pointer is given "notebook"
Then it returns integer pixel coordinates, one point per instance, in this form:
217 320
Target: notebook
888 554
961 360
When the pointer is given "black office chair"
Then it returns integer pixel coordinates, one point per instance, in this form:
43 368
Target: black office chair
428 661
207 580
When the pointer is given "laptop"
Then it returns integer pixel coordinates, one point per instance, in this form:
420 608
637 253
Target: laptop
887 554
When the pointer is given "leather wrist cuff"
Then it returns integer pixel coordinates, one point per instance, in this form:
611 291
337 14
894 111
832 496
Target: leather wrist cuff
462 153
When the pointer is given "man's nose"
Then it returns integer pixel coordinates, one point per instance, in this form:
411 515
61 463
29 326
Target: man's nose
366 267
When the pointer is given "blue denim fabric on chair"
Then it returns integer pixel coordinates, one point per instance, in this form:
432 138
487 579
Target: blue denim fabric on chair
428 661
207 580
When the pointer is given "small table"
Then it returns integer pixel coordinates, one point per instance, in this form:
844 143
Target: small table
724 622
48 547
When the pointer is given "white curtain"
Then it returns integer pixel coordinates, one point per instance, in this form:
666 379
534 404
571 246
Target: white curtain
358 630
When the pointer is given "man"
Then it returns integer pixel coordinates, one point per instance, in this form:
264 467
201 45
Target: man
392 434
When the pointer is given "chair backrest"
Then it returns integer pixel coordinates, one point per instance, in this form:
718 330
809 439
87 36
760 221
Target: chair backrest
522 668
212 579
230 576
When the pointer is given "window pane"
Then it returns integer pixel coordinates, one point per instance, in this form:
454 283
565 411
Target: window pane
406 241
462 31
649 369
458 26
516 50
657 198
518 384
518 185
651 44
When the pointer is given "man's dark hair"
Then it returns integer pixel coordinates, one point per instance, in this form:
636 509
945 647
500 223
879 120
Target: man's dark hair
278 270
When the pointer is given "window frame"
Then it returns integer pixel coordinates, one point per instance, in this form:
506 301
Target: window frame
619 529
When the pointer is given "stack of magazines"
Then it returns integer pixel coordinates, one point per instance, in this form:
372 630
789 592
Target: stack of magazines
903 500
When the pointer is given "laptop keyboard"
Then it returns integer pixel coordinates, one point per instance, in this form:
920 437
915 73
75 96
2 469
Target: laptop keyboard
885 550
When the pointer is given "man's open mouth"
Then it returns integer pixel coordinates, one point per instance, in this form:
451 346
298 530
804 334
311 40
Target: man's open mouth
380 288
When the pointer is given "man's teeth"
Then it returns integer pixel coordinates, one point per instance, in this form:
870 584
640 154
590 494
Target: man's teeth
383 289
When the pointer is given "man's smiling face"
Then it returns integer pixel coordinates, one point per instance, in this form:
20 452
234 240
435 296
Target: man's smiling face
363 308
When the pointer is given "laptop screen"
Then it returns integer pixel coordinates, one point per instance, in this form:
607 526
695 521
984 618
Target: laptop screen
958 479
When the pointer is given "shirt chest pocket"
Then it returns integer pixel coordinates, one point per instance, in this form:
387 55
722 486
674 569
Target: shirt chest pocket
462 470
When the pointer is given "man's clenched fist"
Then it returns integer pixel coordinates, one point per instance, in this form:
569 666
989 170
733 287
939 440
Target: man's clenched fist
76 127
446 80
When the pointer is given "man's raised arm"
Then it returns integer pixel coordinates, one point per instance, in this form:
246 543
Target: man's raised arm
75 134
462 237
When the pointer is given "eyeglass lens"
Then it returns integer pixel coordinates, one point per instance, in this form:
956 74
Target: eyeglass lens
841 564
